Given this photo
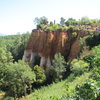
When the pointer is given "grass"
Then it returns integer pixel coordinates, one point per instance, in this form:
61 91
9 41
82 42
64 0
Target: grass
45 93
57 90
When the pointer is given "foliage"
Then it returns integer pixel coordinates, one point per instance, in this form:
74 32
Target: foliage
62 21
96 63
18 47
92 32
74 34
92 41
52 27
78 66
53 91
71 21
17 78
59 65
70 86
51 75
41 20
85 20
94 60
15 44
90 90
89 59
5 55
60 90
96 51
40 76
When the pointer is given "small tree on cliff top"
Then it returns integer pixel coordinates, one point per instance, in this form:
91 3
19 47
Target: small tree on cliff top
41 20
62 21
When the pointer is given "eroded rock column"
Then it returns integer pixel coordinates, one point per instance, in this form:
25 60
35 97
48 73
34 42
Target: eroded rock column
48 63
26 56
43 62
32 58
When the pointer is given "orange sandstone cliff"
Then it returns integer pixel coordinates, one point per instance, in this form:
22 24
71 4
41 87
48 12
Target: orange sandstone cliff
45 44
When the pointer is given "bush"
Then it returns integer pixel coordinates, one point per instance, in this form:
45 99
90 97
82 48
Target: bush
74 34
59 66
17 78
90 90
40 76
51 75
78 67
89 59
92 41
96 63
71 85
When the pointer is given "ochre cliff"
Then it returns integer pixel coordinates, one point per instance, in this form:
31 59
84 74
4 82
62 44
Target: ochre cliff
45 44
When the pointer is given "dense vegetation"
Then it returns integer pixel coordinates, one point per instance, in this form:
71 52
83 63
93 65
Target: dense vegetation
15 44
44 24
78 79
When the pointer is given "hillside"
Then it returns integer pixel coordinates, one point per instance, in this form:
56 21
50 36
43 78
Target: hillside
59 63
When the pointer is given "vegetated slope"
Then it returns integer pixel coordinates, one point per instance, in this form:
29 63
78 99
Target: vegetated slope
58 90
15 44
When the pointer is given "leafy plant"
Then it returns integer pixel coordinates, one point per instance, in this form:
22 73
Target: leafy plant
17 78
78 66
90 90
40 76
74 34
59 65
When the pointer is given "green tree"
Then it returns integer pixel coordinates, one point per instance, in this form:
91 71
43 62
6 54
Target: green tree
85 20
78 67
96 63
59 65
40 76
20 42
39 21
90 90
71 21
62 21
15 44
5 56
17 78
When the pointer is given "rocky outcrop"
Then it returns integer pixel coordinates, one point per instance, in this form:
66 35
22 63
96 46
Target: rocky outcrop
45 44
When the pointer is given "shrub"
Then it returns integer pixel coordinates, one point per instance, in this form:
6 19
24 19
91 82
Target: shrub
71 85
78 66
74 34
96 63
59 65
90 90
89 59
92 41
51 75
17 78
40 76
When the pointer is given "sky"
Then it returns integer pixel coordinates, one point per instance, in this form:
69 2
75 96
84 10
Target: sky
17 16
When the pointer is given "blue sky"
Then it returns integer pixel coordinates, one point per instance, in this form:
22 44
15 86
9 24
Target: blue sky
18 15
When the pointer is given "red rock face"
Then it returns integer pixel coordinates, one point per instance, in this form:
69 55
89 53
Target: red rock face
47 44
